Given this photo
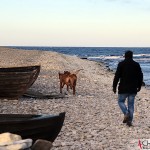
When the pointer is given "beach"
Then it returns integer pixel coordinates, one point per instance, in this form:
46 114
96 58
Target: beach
93 118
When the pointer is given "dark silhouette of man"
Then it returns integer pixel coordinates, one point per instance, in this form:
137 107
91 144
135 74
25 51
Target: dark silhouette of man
130 78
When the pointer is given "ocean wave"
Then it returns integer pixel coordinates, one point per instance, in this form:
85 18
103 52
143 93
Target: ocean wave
105 57
143 60
141 55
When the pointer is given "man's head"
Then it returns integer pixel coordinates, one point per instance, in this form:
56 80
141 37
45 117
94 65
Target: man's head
128 54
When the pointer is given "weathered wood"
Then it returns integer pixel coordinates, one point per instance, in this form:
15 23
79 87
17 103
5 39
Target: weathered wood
36 94
46 127
15 81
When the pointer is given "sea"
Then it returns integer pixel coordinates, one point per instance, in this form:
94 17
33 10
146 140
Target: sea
110 56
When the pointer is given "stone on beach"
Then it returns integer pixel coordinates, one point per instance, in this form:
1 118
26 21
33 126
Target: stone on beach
9 138
9 141
42 145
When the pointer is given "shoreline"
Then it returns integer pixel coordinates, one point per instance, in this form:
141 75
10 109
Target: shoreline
147 85
93 119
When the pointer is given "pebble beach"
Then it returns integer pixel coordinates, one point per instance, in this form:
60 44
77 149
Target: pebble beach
93 118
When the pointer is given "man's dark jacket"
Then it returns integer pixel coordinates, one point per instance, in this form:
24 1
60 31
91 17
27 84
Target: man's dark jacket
130 76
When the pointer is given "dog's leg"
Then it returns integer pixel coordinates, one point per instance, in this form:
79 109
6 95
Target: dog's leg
74 87
67 87
70 84
61 86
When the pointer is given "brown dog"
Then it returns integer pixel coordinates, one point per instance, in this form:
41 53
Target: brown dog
69 79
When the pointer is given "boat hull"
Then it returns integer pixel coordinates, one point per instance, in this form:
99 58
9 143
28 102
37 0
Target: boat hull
36 127
15 81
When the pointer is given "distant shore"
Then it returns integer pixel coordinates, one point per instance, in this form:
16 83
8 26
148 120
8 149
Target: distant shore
93 119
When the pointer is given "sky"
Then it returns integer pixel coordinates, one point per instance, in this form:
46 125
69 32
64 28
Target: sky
88 23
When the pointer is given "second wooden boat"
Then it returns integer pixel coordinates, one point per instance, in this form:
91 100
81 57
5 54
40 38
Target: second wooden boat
46 127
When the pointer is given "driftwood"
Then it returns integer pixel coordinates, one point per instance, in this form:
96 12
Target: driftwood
39 95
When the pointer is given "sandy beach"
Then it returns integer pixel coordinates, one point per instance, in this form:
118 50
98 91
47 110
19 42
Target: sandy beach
93 118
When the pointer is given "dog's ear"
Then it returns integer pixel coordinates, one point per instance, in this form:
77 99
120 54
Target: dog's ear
67 72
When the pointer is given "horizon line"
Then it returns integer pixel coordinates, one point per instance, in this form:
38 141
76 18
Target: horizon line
81 46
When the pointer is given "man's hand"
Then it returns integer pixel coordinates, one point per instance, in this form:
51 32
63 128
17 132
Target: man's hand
114 90
138 89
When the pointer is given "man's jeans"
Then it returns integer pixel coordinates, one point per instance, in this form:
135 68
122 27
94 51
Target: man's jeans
130 109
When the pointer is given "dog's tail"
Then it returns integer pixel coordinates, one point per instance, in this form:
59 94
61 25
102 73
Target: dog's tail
77 71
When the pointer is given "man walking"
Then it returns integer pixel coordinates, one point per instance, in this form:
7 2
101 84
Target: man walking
130 78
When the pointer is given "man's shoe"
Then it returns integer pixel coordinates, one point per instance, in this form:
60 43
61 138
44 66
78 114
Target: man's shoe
126 118
129 124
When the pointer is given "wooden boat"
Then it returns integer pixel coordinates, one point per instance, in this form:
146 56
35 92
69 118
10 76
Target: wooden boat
44 127
15 81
